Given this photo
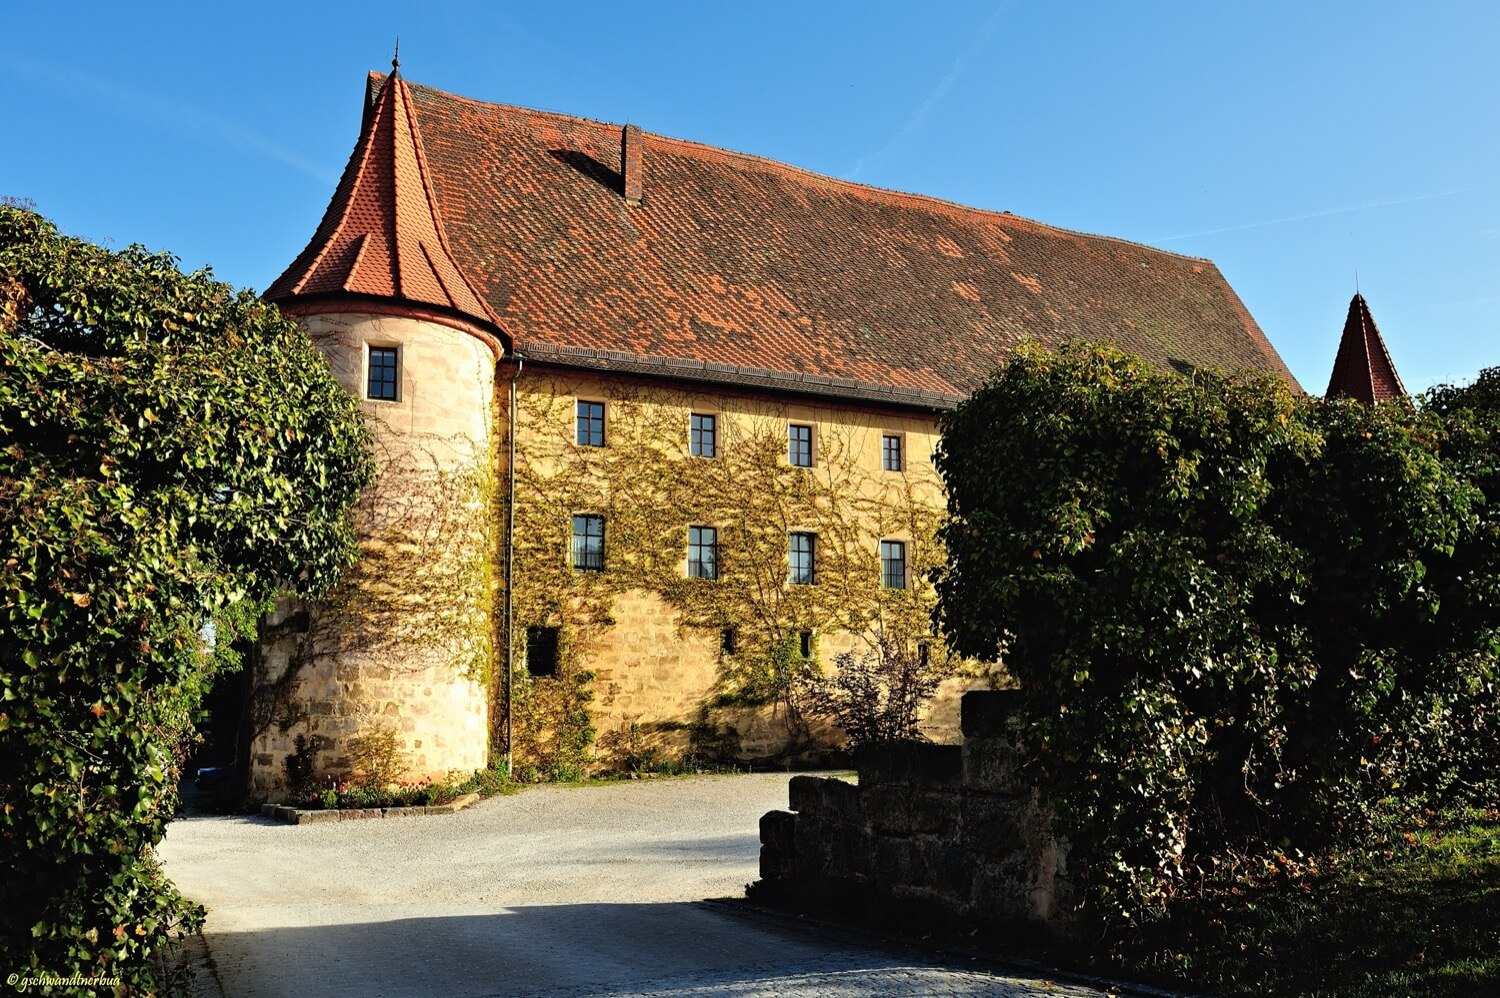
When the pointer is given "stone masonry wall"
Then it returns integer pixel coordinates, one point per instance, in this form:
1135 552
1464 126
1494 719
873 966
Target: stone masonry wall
405 645
944 833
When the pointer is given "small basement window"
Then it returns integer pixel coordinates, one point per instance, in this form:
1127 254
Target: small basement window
541 651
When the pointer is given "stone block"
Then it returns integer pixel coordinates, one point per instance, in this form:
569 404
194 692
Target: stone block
828 850
911 764
777 845
829 799
357 813
993 826
1002 890
988 713
928 863
992 765
314 817
897 810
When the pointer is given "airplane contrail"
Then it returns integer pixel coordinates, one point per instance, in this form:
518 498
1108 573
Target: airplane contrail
1317 214
181 117
937 94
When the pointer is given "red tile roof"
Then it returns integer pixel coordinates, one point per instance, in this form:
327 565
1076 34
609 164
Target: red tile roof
1363 369
383 233
735 268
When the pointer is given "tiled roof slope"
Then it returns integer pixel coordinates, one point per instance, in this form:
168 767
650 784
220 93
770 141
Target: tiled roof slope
735 268
383 232
1363 369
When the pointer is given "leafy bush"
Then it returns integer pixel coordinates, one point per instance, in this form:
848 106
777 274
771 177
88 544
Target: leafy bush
172 454
877 696
1238 617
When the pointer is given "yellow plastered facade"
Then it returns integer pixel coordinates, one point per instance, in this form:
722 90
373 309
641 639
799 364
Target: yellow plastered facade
417 639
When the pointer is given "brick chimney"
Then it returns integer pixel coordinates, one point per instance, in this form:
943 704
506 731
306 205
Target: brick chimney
632 163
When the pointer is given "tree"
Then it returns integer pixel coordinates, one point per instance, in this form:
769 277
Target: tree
1238 617
173 455
877 696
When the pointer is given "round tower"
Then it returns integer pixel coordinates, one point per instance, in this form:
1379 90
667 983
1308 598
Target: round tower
391 674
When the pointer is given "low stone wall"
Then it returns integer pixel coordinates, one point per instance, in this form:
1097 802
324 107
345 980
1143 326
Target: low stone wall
945 832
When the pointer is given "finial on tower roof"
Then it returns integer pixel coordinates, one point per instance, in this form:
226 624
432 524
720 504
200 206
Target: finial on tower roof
396 59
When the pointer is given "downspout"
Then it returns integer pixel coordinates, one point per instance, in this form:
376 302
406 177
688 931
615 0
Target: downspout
510 568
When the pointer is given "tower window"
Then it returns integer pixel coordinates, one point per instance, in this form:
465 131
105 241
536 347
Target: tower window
802 554
381 380
541 651
804 643
799 445
728 639
893 564
588 543
703 435
590 424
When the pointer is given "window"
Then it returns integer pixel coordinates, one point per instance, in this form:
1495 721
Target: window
892 564
804 643
703 552
890 452
703 437
802 555
728 639
590 424
588 543
381 383
541 651
924 654
799 445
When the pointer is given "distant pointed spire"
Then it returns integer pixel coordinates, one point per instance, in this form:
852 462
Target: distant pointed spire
1363 369
396 59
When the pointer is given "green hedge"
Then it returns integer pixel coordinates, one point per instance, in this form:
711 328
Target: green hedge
1241 619
172 454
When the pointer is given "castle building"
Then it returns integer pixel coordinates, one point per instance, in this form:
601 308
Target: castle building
655 424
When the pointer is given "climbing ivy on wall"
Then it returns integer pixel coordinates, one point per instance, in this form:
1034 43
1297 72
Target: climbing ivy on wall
424 583
649 489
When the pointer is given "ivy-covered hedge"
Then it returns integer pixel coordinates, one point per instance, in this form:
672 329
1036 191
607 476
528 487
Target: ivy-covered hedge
1241 619
172 454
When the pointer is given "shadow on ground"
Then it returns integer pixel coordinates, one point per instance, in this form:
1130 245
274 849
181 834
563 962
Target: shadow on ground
588 949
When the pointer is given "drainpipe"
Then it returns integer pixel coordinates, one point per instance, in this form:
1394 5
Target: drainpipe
510 568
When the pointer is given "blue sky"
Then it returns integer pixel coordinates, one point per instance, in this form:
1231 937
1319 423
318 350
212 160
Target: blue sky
1292 143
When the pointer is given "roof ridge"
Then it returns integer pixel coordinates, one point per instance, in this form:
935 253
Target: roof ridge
785 168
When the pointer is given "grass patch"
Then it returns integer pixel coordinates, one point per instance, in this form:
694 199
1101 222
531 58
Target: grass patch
1419 913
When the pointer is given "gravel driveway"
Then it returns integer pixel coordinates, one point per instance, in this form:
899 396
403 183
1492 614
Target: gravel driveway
554 891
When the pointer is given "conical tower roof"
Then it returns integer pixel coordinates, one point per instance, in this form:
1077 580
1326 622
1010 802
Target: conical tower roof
382 235
1363 369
